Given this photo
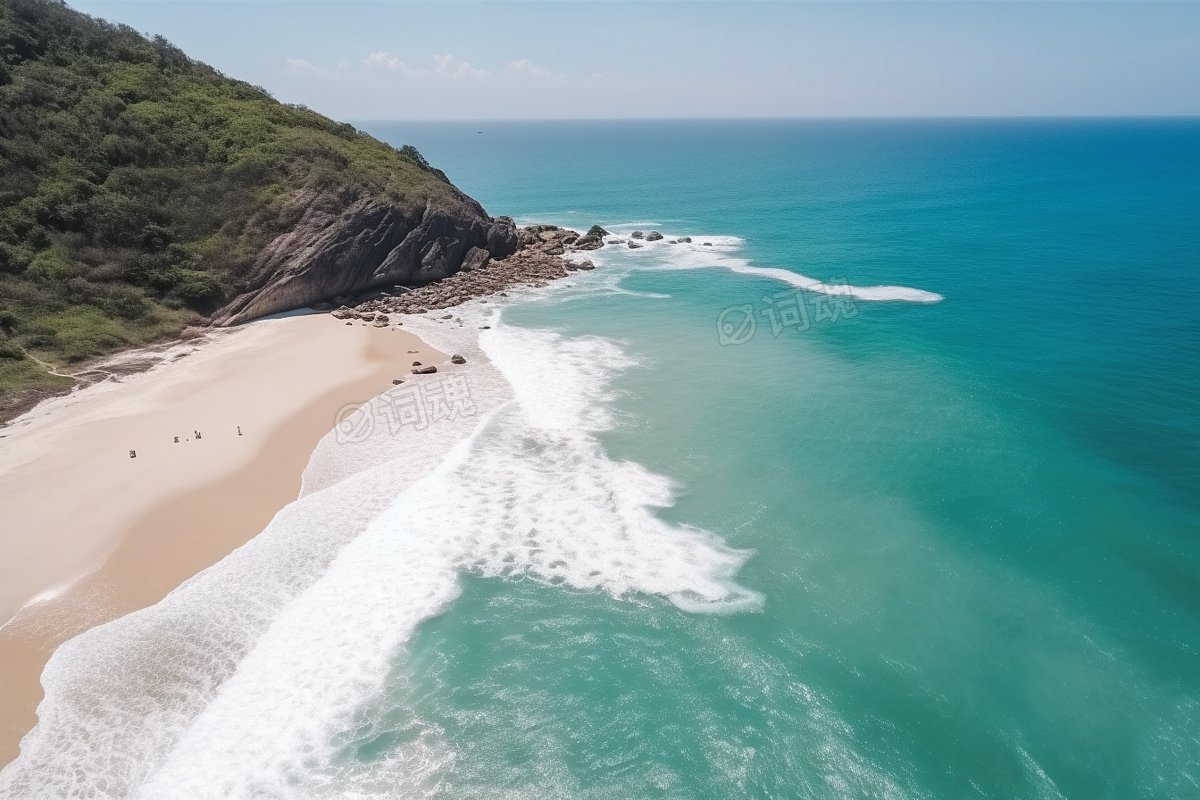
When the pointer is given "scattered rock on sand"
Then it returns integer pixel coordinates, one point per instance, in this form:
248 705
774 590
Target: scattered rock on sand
396 381
457 359
416 363
424 370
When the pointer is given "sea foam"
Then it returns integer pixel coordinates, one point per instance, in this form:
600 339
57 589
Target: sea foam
250 679
724 252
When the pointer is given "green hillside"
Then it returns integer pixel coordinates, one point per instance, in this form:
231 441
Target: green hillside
137 185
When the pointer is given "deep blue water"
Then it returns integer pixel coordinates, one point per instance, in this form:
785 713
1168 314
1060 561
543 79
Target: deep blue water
974 522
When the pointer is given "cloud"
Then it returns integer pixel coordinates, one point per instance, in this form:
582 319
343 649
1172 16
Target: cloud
444 66
451 67
526 68
391 63
300 66
448 67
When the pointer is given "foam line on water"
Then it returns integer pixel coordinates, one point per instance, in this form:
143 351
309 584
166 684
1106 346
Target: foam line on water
722 251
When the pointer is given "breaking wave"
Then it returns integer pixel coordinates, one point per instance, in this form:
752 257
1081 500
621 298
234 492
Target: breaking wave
247 680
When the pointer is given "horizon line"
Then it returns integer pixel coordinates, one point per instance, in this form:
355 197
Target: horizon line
795 118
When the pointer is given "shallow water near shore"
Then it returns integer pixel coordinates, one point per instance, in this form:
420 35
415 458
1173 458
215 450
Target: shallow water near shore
693 532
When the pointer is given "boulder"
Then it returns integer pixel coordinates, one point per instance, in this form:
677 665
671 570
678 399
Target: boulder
637 235
653 236
457 359
476 258
635 245
429 370
502 237
592 240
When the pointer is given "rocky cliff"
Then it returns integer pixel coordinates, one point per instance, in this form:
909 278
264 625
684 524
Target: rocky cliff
337 250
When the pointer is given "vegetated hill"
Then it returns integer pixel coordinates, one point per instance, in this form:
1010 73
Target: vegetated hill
141 191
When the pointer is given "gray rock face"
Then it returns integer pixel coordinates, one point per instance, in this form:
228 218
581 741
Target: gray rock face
339 248
502 237
476 258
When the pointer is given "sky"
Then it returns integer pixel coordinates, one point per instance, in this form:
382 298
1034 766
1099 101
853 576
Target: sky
364 60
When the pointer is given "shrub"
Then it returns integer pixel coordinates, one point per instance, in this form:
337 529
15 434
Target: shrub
10 351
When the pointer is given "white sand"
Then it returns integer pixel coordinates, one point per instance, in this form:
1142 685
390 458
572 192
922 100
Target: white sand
93 534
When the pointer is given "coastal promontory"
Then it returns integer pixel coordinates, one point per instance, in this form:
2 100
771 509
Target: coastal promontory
142 192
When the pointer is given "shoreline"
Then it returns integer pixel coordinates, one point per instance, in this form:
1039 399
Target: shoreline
92 551
152 522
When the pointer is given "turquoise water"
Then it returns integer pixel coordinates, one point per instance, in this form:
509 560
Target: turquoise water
973 523
884 486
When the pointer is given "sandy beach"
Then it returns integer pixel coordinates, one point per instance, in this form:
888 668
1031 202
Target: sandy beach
91 534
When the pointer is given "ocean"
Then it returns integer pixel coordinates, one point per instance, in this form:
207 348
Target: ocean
885 485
